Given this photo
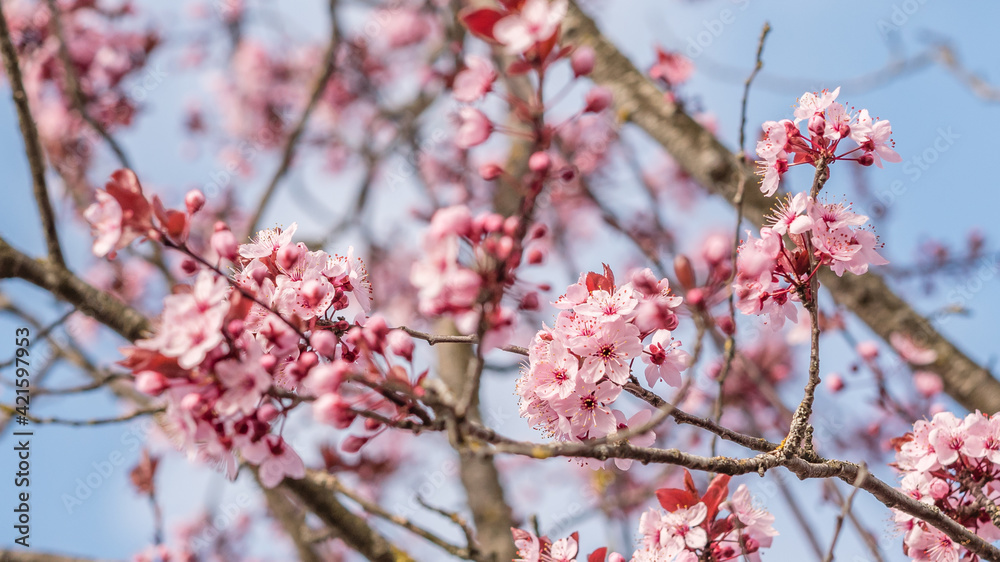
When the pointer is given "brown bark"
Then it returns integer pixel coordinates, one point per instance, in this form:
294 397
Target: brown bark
700 154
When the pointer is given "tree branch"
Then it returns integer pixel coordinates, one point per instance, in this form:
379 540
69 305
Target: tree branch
32 146
707 161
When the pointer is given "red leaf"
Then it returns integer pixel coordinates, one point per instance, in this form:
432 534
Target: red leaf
673 499
610 275
689 483
718 490
481 21
598 555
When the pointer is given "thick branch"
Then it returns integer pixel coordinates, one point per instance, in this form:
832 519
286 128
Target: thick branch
106 309
351 528
712 165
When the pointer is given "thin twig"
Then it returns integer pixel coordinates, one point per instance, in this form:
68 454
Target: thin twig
862 474
73 85
326 71
32 144
12 411
730 347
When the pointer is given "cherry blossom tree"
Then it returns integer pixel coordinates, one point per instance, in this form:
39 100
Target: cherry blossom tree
462 230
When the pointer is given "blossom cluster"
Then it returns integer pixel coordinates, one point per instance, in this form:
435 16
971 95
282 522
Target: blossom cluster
231 356
828 122
771 272
953 464
690 529
471 291
103 56
577 369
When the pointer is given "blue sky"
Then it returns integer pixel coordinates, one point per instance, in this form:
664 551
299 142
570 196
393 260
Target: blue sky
812 46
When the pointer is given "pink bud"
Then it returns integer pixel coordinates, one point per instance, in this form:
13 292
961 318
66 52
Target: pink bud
235 327
194 201
866 159
191 402
324 342
598 99
695 297
834 382
539 162
328 377
868 350
267 413
725 324
817 124
401 344
224 243
582 61
189 266
684 272
491 171
928 384
268 363
530 301
615 557
491 222
308 360
510 225
331 408
537 231
353 444
372 425
939 489
535 256
288 255
151 383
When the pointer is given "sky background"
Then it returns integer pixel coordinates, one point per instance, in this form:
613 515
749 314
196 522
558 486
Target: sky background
813 45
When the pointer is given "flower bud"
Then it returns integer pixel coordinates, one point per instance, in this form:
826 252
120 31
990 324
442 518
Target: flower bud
400 343
539 162
194 201
353 443
224 244
598 99
684 272
189 266
151 383
582 61
267 412
834 382
491 171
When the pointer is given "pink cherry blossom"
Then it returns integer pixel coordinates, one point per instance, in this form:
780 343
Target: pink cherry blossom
276 459
475 80
609 352
537 21
474 128
665 361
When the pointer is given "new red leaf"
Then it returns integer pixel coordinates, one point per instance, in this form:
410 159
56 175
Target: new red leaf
598 555
673 499
481 21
